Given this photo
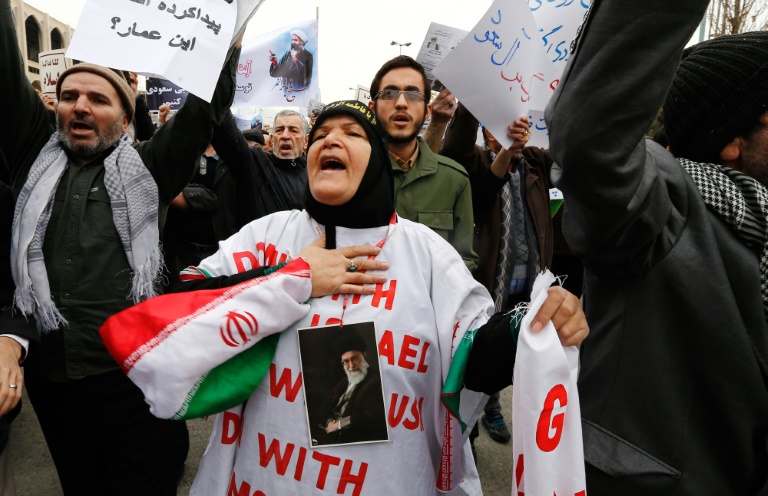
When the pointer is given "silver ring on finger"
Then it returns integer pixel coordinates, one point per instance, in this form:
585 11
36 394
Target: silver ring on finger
13 386
352 267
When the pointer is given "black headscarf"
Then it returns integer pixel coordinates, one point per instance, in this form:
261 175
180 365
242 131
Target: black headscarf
373 203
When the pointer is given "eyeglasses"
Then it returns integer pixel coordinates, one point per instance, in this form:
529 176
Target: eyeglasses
411 96
354 359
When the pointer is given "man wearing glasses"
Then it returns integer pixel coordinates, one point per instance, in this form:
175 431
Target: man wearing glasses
355 409
429 188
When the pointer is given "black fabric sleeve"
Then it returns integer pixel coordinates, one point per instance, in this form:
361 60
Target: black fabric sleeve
201 199
142 121
26 126
218 282
492 359
231 146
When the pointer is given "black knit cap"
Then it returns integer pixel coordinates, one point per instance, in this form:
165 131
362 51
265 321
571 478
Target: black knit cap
373 203
719 92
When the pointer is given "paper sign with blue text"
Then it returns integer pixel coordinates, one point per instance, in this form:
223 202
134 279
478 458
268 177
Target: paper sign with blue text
184 41
558 21
538 129
500 70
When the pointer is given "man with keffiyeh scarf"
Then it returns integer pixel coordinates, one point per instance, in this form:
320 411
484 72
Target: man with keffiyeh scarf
86 244
674 376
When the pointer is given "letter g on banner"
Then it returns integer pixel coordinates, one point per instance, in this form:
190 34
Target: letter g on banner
547 421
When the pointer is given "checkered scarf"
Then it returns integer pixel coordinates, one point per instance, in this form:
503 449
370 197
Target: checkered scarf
742 202
134 199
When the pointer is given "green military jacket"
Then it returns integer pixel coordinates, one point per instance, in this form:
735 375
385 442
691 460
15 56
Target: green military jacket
436 193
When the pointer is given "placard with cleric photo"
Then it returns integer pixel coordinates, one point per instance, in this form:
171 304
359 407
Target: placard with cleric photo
342 384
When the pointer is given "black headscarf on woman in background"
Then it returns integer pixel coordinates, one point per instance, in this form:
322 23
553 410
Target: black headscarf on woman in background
373 203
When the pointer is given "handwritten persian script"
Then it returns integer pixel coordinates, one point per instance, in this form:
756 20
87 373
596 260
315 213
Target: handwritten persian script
175 39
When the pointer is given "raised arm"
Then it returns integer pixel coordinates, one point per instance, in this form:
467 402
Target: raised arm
172 153
26 127
460 138
617 203
234 151
443 108
145 128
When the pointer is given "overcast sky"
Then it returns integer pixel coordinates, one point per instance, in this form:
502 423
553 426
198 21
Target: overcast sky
355 35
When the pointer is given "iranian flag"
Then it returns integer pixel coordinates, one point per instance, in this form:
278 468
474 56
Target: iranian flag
202 352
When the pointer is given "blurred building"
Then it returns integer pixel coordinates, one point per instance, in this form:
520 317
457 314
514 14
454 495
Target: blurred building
37 32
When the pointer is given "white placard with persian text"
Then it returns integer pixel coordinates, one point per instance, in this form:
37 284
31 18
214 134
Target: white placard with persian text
52 64
185 41
500 71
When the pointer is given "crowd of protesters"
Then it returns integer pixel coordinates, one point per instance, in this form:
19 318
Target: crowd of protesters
107 217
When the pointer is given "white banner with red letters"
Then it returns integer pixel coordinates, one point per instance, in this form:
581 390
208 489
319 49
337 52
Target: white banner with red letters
547 445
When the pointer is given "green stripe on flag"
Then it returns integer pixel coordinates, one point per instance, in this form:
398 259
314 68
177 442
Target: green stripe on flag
454 383
451 394
205 273
231 383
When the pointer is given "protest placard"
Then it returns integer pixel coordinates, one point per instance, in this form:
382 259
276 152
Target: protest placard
538 129
438 43
558 22
163 92
363 94
500 71
52 64
279 68
314 107
181 40
248 121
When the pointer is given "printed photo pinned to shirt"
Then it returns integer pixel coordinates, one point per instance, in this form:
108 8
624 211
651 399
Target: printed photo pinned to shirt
343 394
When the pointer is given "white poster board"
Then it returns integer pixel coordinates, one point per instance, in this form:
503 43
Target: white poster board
52 64
558 22
538 129
500 71
363 94
184 41
438 43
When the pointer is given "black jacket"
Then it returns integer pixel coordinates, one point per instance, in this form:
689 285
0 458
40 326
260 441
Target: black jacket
261 182
673 383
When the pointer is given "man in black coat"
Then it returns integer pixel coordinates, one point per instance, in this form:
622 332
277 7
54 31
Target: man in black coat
672 381
259 183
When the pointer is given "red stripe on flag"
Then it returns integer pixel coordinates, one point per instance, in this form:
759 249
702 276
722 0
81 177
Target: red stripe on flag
130 334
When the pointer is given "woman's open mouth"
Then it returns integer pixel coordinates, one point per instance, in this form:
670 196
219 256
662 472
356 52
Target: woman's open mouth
331 164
